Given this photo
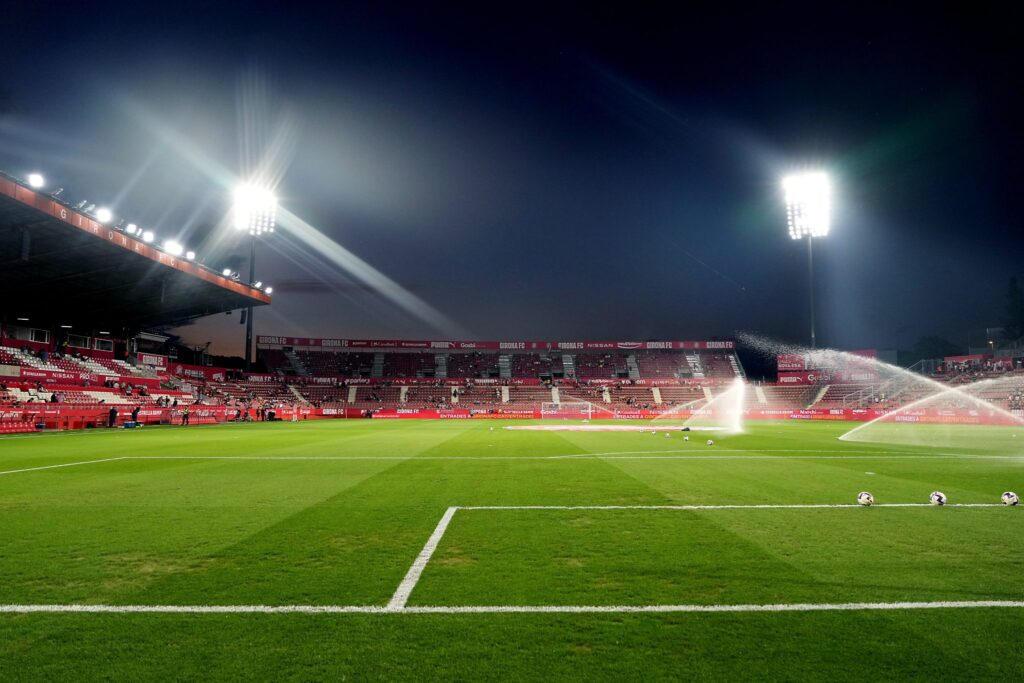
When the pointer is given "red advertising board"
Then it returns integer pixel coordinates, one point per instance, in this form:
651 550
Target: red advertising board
828 377
199 372
802 377
457 345
157 361
57 416
79 378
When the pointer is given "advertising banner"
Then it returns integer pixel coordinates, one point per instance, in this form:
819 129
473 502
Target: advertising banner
828 377
60 377
155 360
803 377
328 344
199 372
791 361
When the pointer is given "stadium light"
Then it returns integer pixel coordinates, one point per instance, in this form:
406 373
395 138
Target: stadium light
131 228
190 255
173 248
269 290
226 272
258 284
808 214
65 327
255 209
148 236
103 214
808 204
24 320
36 180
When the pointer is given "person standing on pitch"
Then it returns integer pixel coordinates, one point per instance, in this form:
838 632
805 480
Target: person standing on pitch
184 416
112 417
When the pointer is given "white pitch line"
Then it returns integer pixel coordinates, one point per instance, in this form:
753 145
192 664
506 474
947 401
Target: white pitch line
623 455
66 464
502 609
404 589
725 507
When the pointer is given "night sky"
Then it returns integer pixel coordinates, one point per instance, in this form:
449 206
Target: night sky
547 171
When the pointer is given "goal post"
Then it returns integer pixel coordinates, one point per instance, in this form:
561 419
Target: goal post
568 410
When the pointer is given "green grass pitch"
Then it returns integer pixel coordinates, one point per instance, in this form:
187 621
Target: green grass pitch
334 513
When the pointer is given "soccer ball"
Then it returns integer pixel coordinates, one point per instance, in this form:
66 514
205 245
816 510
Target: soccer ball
667 435
686 438
710 442
937 498
1010 498
864 498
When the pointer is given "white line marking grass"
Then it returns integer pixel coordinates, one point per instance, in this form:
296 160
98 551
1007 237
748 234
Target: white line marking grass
401 595
726 507
66 464
757 454
500 609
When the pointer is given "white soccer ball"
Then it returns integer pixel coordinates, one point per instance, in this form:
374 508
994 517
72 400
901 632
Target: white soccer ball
710 442
865 498
686 438
1010 498
667 435
937 498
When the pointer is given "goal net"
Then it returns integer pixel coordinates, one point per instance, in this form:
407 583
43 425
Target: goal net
572 411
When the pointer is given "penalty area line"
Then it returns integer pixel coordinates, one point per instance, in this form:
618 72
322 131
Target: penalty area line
726 507
504 609
404 590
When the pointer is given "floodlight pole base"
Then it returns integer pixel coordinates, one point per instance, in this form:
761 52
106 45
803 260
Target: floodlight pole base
248 315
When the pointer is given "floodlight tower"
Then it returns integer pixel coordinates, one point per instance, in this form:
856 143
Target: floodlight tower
809 213
255 211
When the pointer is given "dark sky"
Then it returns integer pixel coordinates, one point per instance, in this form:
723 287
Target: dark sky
548 171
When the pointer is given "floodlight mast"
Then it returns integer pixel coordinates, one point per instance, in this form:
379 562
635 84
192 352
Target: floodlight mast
255 210
809 214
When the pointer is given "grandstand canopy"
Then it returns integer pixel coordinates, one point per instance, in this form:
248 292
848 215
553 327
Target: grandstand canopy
58 264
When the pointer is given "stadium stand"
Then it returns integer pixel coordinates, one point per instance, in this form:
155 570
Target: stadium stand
600 366
535 365
787 397
408 365
474 365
